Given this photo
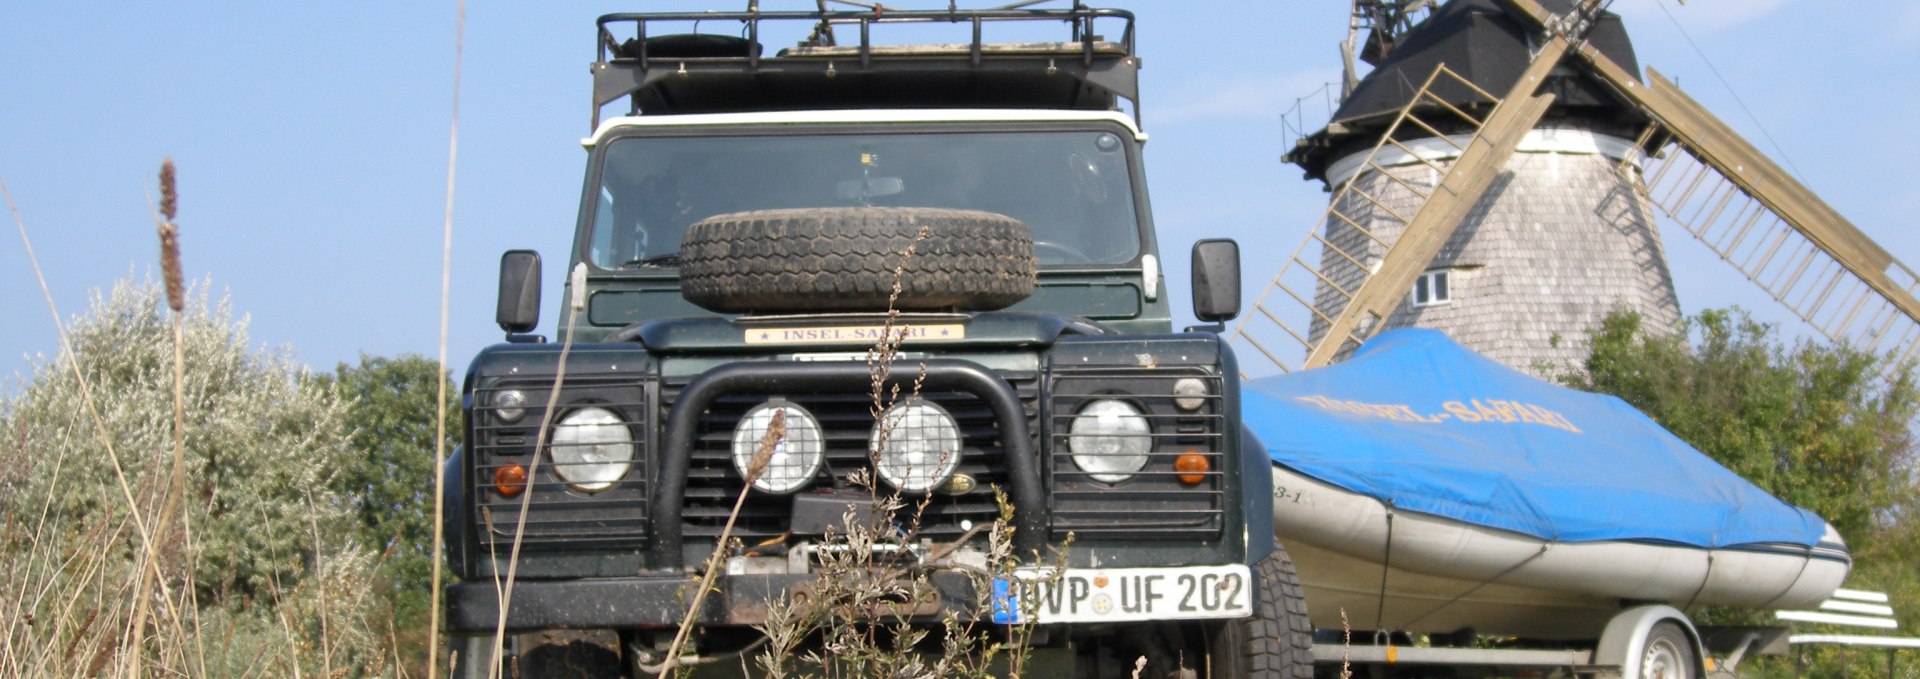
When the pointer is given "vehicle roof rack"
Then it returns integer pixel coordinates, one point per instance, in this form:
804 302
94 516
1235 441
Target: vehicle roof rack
708 73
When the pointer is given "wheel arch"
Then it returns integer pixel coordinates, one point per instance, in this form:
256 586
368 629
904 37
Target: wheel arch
1625 635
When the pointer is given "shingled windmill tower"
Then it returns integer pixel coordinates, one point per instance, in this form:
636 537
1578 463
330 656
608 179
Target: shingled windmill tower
1560 237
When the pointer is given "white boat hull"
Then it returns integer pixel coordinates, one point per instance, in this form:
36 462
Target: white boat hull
1421 573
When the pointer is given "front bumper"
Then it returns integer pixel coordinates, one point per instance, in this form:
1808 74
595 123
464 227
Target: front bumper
661 601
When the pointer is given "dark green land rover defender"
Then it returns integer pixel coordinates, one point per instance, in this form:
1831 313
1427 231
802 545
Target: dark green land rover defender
755 231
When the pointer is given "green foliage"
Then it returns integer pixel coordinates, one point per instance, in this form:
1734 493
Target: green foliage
389 478
267 541
261 444
1822 426
1816 425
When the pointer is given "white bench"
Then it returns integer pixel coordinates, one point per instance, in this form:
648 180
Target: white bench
1853 608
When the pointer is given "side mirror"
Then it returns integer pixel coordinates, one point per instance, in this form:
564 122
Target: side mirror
1216 280
519 307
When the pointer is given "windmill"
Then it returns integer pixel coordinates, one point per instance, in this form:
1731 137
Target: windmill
1497 174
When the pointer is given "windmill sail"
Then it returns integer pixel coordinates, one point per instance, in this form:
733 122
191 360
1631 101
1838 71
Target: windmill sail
1778 234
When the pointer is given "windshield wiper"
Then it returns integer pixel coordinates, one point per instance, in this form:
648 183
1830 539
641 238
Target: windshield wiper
652 262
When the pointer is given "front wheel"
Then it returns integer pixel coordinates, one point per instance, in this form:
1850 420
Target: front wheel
1276 642
473 658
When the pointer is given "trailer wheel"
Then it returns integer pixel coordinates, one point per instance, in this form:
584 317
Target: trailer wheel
1667 654
1276 642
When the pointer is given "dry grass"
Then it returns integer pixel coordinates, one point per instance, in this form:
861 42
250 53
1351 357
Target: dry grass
121 475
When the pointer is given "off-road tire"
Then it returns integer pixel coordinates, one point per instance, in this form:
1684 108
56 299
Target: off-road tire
844 259
472 658
1276 642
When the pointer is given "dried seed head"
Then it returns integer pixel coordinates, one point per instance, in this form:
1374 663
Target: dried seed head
169 199
170 266
763 455
170 240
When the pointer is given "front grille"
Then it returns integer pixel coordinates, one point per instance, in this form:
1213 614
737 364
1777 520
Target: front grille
1154 503
556 513
846 421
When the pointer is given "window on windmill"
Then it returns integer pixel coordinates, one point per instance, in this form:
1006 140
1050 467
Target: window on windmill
1431 289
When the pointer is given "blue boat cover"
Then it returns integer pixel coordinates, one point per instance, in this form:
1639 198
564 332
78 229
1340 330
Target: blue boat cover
1418 421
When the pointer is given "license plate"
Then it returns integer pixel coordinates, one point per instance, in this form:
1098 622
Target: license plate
1050 595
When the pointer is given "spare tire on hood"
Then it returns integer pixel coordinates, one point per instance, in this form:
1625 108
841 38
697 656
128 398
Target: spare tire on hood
846 258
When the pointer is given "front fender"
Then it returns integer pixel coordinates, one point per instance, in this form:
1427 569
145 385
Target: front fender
1256 471
453 496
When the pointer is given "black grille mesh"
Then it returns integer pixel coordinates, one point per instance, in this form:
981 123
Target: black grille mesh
847 423
556 513
1153 503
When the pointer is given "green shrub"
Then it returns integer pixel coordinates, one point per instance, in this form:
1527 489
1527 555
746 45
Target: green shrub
267 542
1822 426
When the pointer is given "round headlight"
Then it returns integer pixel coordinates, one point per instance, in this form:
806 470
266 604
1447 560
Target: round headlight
592 449
921 447
796 457
1110 440
510 405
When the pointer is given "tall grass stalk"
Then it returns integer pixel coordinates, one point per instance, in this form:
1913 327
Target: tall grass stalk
576 305
762 455
440 399
149 554
140 564
169 233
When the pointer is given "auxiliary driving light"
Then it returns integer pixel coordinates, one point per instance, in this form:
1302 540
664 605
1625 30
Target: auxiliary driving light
921 445
592 449
1109 440
797 456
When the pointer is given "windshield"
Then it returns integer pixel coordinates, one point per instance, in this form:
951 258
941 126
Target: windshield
1072 188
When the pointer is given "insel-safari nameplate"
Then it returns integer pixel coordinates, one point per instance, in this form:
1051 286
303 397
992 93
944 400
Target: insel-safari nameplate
849 334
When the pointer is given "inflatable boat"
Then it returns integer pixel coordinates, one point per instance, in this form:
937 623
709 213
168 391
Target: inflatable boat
1421 487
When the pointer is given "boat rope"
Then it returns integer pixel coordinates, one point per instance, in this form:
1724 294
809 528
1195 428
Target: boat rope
1386 564
1805 561
1704 579
1483 583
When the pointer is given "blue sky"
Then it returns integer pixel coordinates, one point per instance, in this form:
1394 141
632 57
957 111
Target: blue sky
312 144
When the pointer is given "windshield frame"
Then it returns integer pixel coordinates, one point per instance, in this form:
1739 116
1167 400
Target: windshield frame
1130 145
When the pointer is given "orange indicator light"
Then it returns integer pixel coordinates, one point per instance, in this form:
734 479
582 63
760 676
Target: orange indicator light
510 480
1193 467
